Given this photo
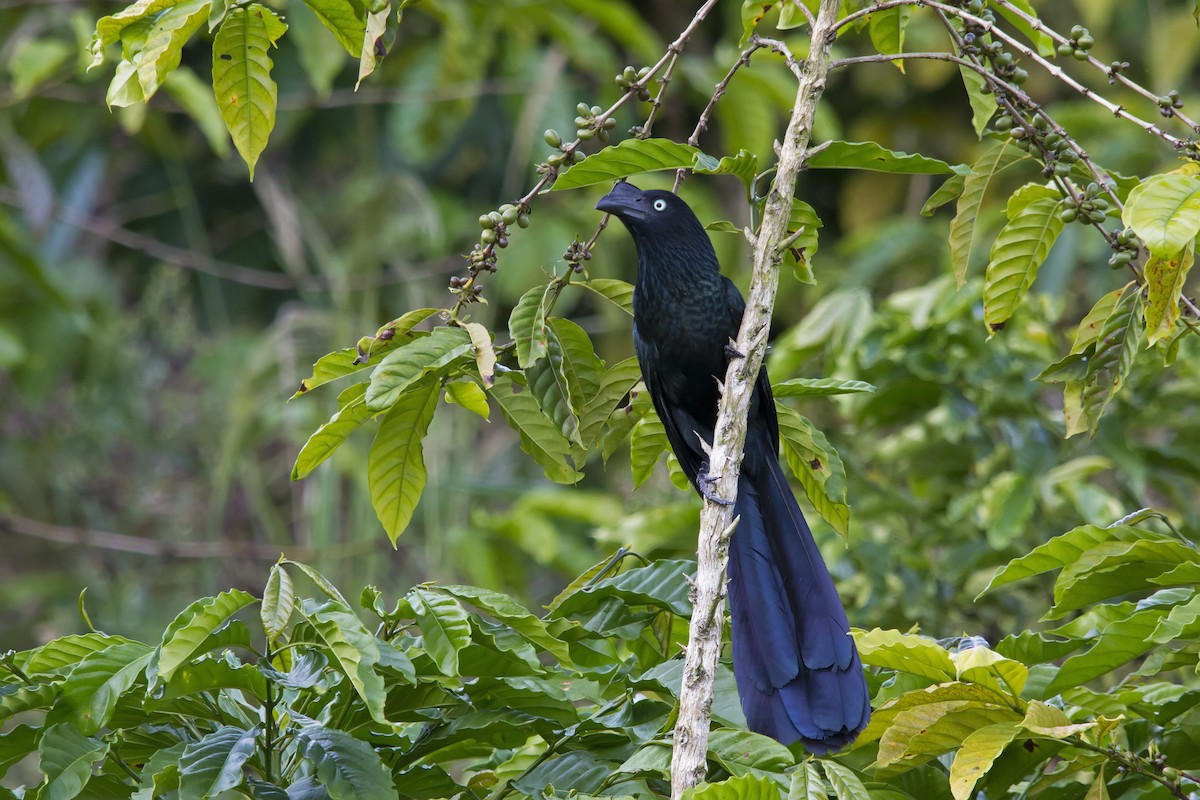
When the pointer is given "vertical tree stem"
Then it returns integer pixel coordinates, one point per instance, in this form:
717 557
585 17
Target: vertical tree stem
725 459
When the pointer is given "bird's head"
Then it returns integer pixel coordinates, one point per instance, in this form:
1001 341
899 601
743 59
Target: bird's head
653 213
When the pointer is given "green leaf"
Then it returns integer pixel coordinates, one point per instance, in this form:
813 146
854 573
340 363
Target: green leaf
54 656
354 649
995 159
1084 402
16 743
396 466
979 751
1115 568
109 29
348 768
319 580
66 758
1165 276
213 764
647 443
886 28
819 387
368 353
753 12
617 292
1023 244
741 751
527 325
470 396
513 614
983 105
278 603
412 362
185 638
985 666
89 696
951 189
936 728
242 81
845 784
1181 621
817 466
1047 720
617 382
743 166
15 699
800 254
806 783
1088 332
1037 35
161 53
444 627
965 694
745 787
630 157
663 584
197 101
33 61
345 20
905 652
352 412
1164 210
566 380
541 439
1063 549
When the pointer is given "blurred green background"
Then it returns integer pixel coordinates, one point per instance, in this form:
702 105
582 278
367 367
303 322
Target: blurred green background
157 309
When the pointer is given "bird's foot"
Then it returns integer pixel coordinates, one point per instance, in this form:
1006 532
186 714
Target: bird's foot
732 352
707 485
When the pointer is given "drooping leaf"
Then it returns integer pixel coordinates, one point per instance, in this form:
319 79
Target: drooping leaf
950 190
983 106
994 160
817 466
845 783
979 751
1165 277
354 650
663 584
918 655
167 35
647 443
1023 244
1088 332
368 353
352 412
242 82
470 396
743 166
444 627
213 764
485 354
1108 368
344 19
66 758
617 292
371 51
396 466
617 381
97 682
527 325
806 783
566 380
196 99
541 439
348 768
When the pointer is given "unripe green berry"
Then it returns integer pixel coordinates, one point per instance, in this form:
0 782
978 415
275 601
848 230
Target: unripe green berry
552 138
583 122
555 160
485 222
596 110
510 215
1019 76
1062 170
1040 123
1077 31
581 109
585 134
1065 49
609 124
1018 133
488 237
630 75
522 220
1084 42
1003 122
1080 55
1069 214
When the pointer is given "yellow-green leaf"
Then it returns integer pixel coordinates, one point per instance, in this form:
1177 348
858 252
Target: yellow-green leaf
1165 276
1164 210
396 467
1023 244
242 81
994 160
163 49
979 750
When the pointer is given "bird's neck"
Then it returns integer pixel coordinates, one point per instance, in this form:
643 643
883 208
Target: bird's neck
673 275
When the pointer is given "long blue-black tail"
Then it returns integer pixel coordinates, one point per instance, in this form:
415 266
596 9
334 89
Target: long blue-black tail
798 672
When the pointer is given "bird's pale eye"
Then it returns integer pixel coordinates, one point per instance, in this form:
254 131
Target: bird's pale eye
660 205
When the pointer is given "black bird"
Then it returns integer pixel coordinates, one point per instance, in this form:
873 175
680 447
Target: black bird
798 672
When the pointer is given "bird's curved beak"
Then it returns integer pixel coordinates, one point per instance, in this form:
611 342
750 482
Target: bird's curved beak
625 201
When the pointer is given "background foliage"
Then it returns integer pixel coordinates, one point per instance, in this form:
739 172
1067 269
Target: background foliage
157 309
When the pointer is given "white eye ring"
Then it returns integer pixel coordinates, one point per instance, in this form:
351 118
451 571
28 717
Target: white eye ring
660 205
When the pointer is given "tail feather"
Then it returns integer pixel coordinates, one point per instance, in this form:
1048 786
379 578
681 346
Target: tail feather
798 672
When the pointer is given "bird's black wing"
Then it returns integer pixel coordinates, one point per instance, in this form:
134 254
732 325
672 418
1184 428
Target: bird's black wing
670 397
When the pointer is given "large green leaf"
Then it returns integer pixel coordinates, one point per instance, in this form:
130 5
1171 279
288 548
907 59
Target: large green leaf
278 603
617 382
188 633
875 157
741 751
513 614
57 656
983 105
89 696
1063 549
1088 332
444 627
1086 400
242 81
979 751
541 439
819 387
845 783
663 584
995 159
527 325
368 353
165 39
817 466
806 783
933 729
1115 568
352 412
630 157
66 759
406 365
566 380
213 764
353 648
938 695
109 29
1165 276
396 465
1164 210
647 443
905 652
1023 244
617 292
344 19
744 787
886 28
